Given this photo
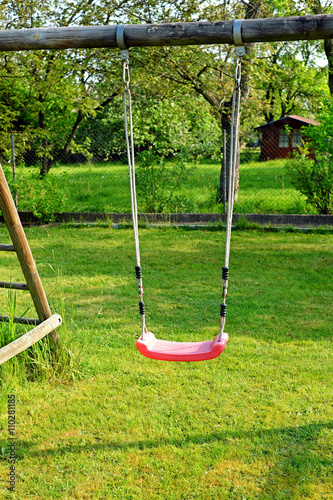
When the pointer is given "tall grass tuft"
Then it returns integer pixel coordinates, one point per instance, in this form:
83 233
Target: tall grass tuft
42 361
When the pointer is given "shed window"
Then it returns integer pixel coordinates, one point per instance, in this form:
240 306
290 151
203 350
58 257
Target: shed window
297 138
283 139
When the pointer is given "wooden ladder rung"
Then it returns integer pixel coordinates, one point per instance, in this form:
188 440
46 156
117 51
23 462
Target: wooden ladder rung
29 338
23 321
14 286
7 248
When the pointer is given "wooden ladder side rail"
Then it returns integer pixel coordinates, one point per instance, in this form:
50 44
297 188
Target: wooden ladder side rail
29 338
24 254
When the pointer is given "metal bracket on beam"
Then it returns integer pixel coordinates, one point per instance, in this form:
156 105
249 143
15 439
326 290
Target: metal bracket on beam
121 41
237 36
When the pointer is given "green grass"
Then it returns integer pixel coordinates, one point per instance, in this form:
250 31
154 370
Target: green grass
265 188
104 187
255 423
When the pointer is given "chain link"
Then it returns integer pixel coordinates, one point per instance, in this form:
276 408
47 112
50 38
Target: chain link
126 74
238 71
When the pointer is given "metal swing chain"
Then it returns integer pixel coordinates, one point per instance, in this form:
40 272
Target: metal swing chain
131 168
232 176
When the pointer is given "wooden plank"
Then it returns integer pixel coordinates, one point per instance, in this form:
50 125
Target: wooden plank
29 338
23 321
147 35
14 286
21 245
7 248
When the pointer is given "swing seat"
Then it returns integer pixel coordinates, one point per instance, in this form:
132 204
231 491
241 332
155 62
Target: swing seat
153 348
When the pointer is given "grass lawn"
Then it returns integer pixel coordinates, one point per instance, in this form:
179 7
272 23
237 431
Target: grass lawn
104 187
255 423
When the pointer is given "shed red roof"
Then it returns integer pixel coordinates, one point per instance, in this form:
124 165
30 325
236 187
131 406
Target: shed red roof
306 121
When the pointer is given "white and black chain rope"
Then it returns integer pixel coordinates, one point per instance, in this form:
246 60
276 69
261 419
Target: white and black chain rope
131 168
232 176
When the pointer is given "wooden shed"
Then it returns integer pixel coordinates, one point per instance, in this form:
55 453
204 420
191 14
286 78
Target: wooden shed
275 142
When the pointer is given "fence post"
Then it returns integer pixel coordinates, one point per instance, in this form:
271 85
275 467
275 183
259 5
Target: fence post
14 165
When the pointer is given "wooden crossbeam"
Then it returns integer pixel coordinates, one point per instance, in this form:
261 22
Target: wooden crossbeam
147 35
29 338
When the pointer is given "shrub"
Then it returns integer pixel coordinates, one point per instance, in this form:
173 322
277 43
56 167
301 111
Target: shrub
158 180
311 168
43 196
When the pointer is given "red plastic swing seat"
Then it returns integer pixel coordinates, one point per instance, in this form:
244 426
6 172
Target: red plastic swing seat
153 348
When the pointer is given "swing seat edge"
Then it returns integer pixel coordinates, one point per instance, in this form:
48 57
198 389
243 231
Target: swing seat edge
164 350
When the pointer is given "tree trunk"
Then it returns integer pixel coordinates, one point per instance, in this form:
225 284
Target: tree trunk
328 45
45 143
317 8
46 164
226 125
222 193
252 12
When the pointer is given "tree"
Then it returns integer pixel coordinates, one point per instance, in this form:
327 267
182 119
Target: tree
208 71
284 75
53 90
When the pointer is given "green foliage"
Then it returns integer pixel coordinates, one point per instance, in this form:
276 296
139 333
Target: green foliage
174 124
179 93
158 180
43 196
83 148
311 168
105 131
47 95
286 74
179 124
